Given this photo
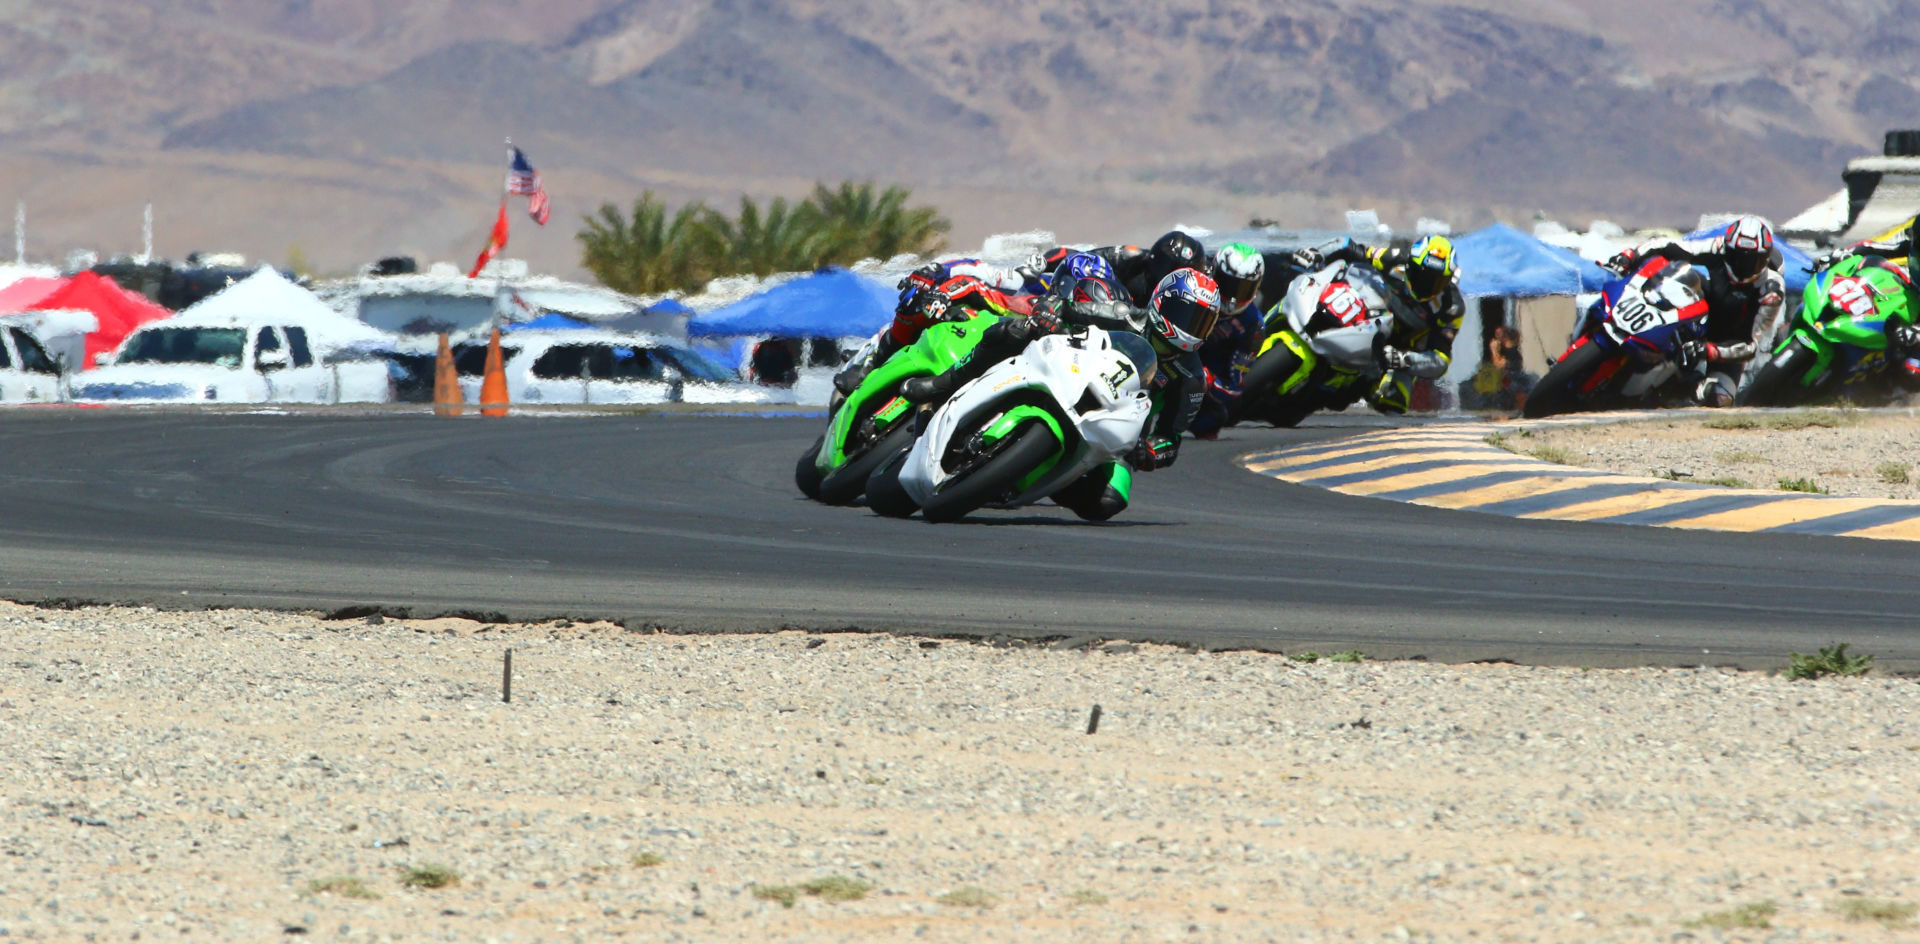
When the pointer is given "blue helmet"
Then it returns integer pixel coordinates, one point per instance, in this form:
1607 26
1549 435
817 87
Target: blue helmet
1081 265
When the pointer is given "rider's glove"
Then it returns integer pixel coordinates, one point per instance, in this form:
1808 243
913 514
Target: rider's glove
1621 263
848 380
1393 358
1154 452
1308 259
1045 320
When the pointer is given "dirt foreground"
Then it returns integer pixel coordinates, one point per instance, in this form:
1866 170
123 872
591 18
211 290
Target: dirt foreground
1845 452
248 776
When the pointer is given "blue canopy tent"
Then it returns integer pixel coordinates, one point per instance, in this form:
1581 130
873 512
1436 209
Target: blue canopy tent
1793 263
831 303
1502 261
550 321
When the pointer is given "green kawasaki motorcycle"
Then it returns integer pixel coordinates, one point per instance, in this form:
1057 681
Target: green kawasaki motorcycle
874 423
1839 342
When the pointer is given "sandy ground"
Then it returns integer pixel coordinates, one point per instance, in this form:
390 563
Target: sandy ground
191 776
1846 452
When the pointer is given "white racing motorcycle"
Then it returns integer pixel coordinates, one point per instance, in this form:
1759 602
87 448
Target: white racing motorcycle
1028 427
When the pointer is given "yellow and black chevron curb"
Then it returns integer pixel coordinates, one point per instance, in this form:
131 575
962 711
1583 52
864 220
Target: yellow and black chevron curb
1454 466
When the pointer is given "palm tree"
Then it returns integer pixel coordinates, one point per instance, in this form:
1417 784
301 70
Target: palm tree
647 252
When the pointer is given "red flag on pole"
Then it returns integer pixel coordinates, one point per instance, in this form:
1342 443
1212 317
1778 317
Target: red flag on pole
495 242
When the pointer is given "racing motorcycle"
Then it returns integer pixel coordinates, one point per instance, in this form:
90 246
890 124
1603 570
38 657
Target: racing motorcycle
1640 335
874 423
1839 341
1027 428
1322 345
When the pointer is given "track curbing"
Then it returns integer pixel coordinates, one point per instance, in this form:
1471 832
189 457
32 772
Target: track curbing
1453 466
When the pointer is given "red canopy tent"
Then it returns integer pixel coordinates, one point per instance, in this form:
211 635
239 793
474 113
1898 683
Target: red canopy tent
118 310
23 294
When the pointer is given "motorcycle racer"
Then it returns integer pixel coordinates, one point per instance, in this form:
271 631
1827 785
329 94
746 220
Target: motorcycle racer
941 291
1424 293
1140 271
1181 310
1227 353
1903 341
1745 294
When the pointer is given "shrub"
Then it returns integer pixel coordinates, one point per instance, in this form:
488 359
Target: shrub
1753 916
1802 485
1894 473
968 896
343 885
1831 660
430 876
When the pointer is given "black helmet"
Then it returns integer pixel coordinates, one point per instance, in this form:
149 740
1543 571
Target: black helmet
1176 250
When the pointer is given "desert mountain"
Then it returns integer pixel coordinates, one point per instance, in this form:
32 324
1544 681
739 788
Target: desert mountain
350 128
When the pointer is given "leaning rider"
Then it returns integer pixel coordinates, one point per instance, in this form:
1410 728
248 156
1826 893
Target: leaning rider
1903 341
1745 293
1424 292
1227 353
1140 270
941 291
1180 311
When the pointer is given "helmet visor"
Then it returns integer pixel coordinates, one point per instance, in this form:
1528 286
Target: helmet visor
1426 281
1185 323
1745 265
1236 292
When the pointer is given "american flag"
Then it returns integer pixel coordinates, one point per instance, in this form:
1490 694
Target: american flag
523 180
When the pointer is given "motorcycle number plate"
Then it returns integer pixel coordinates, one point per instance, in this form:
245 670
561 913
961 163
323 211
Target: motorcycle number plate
1636 316
1853 296
1341 301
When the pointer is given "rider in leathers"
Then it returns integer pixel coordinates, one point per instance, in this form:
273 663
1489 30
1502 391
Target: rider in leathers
1745 293
965 287
1140 270
1177 388
1424 293
1903 341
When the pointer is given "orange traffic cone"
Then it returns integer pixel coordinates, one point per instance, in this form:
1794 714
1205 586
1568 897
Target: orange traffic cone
447 400
493 386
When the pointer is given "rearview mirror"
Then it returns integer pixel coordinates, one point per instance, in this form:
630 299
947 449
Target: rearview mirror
102 358
270 360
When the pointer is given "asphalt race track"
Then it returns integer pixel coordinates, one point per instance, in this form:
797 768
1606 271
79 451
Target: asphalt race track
692 523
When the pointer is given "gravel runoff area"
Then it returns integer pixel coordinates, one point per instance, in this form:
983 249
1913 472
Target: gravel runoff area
241 775
1865 454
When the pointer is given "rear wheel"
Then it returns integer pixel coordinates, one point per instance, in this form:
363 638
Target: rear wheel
885 495
1261 399
1777 382
844 484
994 478
1557 392
805 475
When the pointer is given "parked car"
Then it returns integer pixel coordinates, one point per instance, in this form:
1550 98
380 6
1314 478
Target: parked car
591 366
267 363
27 373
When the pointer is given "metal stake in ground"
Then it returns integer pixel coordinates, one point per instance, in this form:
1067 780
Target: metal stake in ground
506 678
1093 720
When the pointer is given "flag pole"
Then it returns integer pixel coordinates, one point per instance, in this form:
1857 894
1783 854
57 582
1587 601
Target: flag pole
499 269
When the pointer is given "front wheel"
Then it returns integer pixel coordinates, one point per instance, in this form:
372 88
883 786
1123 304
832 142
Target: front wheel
1019 455
844 484
1777 382
885 495
1261 398
1558 391
805 474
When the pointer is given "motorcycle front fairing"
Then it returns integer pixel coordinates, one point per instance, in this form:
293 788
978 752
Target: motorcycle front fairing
1350 347
1053 373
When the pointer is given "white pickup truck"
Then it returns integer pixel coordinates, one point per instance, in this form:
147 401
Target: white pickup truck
27 373
260 363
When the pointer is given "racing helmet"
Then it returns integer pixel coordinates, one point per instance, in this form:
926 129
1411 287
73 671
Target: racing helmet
1183 309
1430 266
1175 250
1237 268
1748 245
